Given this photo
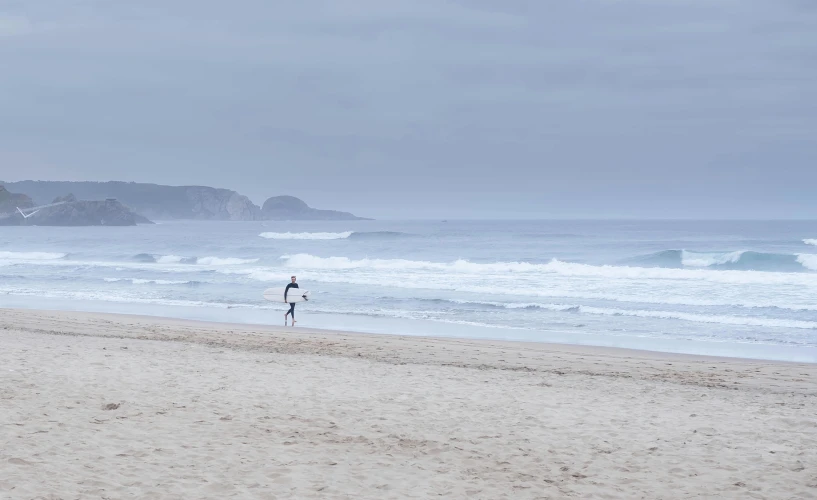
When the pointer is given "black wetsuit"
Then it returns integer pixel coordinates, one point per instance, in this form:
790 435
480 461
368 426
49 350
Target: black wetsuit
291 304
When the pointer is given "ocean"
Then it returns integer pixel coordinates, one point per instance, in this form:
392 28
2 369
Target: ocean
727 288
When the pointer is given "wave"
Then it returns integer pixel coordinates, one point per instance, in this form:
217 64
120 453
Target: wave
700 259
138 281
376 235
676 315
662 292
812 242
355 235
808 260
745 260
556 267
306 236
106 296
703 318
517 305
313 262
32 255
224 261
203 261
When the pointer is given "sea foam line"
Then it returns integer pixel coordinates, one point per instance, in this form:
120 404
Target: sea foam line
808 260
554 267
812 242
201 261
702 259
696 318
139 281
32 255
306 236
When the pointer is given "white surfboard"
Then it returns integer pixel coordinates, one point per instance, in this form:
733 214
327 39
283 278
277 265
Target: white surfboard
294 295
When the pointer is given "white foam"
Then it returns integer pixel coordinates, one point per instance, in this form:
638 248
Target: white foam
702 259
812 242
203 261
106 296
306 236
562 280
223 261
554 267
807 260
31 255
138 281
460 266
518 305
703 318
169 259
697 318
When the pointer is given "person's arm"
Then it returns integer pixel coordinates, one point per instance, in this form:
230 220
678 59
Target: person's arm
286 291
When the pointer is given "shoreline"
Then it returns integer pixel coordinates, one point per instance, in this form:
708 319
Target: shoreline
324 334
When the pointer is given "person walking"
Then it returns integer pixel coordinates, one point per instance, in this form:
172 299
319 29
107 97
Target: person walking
291 304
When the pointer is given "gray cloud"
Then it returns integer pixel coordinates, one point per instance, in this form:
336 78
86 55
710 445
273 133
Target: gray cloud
483 108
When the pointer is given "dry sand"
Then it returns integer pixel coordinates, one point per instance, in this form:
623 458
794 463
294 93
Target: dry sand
106 406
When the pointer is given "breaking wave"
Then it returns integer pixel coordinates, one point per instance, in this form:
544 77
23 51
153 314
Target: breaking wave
31 255
203 261
137 281
812 242
306 236
377 235
808 260
312 262
223 261
560 268
605 311
743 260
355 235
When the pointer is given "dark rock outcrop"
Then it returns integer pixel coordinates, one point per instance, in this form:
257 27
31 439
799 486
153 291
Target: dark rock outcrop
292 208
65 211
152 200
159 202
10 201
73 212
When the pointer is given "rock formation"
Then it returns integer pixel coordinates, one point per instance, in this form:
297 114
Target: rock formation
292 208
154 201
159 202
66 211
10 201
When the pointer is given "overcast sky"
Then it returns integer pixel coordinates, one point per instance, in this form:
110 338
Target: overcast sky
415 108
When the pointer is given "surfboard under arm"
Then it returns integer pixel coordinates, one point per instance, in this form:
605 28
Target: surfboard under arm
294 295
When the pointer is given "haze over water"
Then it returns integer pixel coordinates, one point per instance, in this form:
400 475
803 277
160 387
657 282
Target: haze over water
727 288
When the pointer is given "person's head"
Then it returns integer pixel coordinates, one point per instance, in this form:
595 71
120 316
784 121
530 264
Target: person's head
293 279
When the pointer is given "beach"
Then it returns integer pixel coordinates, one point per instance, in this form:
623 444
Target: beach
115 406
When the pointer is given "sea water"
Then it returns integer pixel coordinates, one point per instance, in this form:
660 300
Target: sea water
725 288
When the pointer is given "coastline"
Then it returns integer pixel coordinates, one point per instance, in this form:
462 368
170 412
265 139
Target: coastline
259 319
115 405
76 326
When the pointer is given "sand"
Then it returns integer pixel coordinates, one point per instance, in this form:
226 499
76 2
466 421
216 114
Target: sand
107 406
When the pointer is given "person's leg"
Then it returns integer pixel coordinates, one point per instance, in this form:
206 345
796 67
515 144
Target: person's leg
292 310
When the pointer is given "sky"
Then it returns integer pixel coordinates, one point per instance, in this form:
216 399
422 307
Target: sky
424 108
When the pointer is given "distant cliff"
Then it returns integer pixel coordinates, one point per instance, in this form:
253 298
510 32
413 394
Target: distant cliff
291 208
73 212
151 200
160 202
10 201
68 211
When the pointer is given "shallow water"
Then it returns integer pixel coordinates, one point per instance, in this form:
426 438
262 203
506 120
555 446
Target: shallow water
726 288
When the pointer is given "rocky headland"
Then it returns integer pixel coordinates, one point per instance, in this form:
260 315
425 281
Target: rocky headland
158 202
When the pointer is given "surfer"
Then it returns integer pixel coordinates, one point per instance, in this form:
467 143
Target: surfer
291 304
